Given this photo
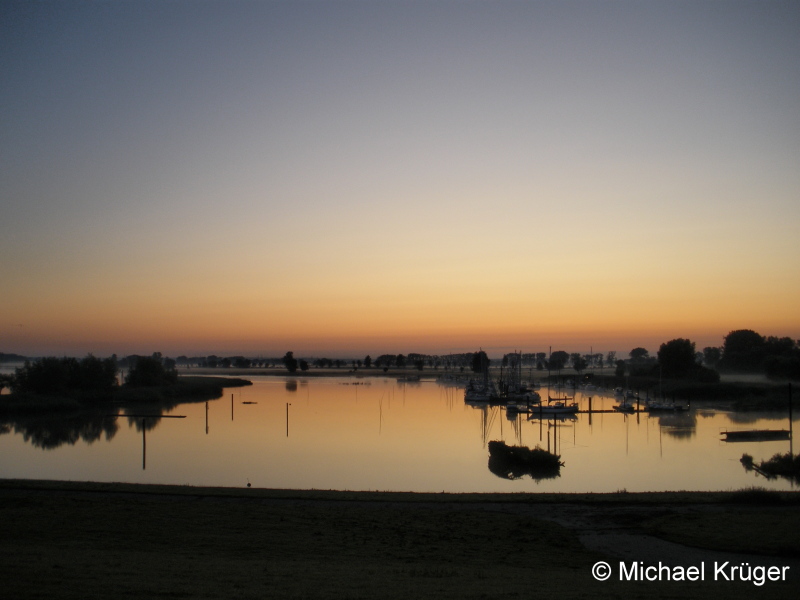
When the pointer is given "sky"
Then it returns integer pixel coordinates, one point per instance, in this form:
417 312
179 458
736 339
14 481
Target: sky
362 177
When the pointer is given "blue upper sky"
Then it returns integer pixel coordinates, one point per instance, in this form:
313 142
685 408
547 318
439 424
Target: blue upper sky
471 158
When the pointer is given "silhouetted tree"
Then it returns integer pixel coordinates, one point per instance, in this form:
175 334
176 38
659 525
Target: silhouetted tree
743 350
639 354
149 371
558 360
66 376
367 361
711 356
401 361
619 371
290 362
677 358
480 362
303 365
783 367
579 363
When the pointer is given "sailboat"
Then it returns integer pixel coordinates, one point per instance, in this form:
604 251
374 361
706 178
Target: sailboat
556 405
517 396
481 391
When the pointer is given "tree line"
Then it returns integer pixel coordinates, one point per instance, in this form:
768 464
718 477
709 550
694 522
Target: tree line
88 377
743 350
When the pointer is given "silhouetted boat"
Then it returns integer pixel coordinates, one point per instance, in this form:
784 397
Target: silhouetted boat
484 390
655 406
556 406
408 379
476 392
756 435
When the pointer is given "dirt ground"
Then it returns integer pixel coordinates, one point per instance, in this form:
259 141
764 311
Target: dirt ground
74 540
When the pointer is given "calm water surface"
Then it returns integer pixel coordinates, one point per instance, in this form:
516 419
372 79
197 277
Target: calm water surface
377 434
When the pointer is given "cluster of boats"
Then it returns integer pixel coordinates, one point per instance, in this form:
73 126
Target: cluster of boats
630 403
520 399
515 395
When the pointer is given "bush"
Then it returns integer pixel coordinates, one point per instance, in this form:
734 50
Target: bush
785 465
149 371
66 376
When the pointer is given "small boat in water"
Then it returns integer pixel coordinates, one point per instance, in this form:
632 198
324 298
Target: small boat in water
625 406
480 392
756 435
655 406
408 379
556 406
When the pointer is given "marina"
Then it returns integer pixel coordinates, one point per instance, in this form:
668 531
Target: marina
373 433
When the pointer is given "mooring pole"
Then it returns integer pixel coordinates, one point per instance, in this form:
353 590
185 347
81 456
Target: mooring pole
287 419
144 446
791 443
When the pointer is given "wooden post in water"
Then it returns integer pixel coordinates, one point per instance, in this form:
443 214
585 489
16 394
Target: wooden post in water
231 407
791 434
144 446
287 419
206 417
555 435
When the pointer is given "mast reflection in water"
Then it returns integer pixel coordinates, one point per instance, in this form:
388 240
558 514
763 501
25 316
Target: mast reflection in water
376 434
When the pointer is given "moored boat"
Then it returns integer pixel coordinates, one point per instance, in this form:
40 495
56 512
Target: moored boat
556 406
655 406
756 435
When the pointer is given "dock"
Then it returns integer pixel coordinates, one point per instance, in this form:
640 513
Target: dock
756 435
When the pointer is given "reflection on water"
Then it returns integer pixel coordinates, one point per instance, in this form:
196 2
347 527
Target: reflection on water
514 462
50 432
53 431
380 434
678 425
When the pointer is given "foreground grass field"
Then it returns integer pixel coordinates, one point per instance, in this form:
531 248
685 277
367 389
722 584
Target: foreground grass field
69 540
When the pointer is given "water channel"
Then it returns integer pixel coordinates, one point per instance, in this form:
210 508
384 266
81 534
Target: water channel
378 434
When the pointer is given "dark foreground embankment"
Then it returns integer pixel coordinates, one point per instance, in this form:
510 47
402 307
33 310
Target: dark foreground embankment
88 540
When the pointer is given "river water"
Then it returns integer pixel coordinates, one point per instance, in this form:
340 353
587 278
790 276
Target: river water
378 434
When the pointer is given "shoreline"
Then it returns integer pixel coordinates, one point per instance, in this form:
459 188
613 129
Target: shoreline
87 539
732 497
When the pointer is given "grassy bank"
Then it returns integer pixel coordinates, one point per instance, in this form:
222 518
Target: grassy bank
187 389
72 540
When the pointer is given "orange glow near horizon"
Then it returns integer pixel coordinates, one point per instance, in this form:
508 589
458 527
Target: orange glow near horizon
415 320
